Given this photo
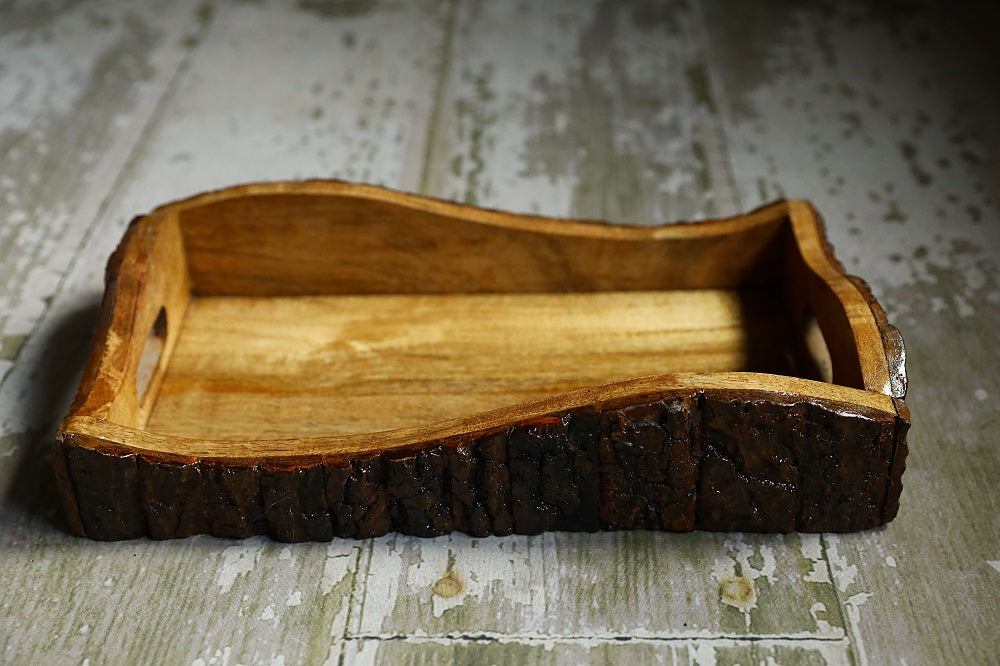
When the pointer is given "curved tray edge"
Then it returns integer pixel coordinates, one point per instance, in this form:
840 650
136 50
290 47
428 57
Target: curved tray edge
747 460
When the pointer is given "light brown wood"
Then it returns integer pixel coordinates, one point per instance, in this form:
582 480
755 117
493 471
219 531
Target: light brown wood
337 238
268 368
317 237
103 434
817 287
254 367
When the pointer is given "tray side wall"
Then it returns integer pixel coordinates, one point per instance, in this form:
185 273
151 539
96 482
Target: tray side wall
708 460
145 276
849 316
300 244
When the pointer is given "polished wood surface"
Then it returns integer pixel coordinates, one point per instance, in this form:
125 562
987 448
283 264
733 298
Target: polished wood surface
150 281
549 322
280 367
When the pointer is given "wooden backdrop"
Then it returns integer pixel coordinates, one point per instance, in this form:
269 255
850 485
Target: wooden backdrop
636 112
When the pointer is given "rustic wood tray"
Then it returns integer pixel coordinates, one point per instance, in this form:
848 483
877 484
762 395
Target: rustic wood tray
320 359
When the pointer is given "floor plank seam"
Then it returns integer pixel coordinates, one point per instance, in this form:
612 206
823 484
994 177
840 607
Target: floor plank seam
721 107
844 620
529 639
440 85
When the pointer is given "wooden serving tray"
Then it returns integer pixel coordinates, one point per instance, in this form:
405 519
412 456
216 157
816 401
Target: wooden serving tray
319 359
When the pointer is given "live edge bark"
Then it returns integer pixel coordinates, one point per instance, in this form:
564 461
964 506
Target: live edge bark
706 460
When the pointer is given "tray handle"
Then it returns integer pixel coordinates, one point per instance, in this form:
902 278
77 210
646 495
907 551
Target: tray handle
847 315
144 303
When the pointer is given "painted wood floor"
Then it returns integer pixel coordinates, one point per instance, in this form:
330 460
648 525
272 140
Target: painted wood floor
636 112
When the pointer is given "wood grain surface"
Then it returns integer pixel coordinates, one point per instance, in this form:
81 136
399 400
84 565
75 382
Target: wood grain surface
640 112
315 366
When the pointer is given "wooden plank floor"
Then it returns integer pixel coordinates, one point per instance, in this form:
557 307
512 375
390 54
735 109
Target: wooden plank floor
639 112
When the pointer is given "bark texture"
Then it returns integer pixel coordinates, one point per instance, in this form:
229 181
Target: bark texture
720 461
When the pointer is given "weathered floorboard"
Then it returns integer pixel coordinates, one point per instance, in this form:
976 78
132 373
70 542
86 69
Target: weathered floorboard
873 115
79 86
337 101
531 650
635 112
594 111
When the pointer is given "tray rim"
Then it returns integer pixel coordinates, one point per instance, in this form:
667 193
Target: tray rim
880 346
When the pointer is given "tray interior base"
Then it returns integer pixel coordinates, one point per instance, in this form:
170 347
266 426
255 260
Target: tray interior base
276 367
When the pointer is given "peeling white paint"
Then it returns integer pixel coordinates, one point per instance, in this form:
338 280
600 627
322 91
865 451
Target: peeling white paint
858 599
844 573
743 552
722 568
963 306
510 568
218 658
702 654
823 627
239 560
366 653
812 549
338 564
549 90
738 578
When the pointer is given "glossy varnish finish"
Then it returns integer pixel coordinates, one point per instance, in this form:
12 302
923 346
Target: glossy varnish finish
342 360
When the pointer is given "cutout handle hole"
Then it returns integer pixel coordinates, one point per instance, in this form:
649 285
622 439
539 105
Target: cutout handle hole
817 353
152 352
